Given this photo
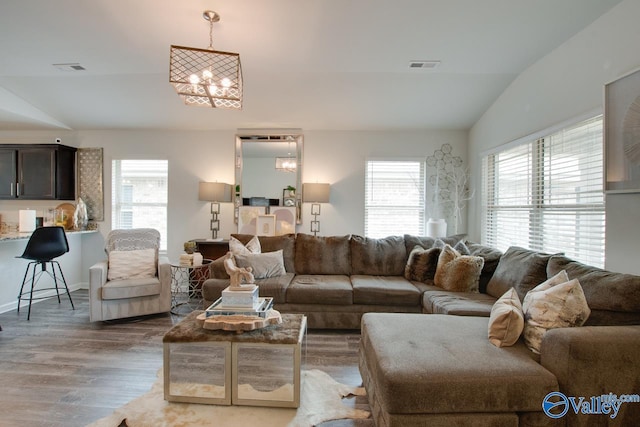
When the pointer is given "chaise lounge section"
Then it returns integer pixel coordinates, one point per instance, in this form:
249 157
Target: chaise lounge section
442 370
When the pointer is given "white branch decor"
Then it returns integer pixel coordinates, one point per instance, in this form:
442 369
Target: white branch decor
450 183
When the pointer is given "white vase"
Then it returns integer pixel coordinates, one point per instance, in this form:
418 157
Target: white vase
436 227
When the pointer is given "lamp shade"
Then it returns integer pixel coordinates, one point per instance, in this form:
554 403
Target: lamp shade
315 193
214 192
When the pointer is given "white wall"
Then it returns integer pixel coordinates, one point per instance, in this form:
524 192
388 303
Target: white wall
193 156
336 157
564 84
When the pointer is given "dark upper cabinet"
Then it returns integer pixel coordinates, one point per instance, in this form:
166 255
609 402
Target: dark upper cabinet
37 171
8 173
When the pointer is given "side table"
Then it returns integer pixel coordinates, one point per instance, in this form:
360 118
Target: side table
212 249
186 286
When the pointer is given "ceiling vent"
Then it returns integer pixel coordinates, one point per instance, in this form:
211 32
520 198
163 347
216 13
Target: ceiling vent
415 65
69 67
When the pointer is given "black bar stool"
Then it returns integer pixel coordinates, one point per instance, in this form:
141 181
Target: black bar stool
45 244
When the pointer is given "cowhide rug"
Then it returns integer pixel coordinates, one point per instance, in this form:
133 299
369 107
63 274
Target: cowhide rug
320 400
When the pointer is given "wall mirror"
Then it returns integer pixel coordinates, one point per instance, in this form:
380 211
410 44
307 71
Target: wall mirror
268 170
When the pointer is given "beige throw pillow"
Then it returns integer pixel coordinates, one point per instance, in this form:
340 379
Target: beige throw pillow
506 321
132 264
252 247
457 273
264 265
555 303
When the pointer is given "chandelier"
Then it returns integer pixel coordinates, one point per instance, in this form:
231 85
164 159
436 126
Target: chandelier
207 77
289 163
286 164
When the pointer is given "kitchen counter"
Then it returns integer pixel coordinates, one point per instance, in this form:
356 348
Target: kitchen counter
25 236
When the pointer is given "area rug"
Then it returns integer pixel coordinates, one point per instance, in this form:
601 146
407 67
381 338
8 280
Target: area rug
320 400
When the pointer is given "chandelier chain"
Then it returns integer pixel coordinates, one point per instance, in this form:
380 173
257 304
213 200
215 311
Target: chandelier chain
211 34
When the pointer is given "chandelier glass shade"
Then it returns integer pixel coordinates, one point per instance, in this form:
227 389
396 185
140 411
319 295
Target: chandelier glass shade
207 77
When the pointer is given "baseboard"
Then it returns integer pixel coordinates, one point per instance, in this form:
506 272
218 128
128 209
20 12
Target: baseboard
50 293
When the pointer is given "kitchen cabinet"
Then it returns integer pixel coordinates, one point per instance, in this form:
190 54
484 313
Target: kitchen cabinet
37 172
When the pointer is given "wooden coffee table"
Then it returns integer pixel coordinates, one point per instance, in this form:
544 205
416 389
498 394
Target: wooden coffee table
256 368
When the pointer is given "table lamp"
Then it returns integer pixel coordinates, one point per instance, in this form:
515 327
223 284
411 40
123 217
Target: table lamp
315 193
214 192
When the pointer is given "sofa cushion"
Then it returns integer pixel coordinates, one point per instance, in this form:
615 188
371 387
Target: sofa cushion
491 258
322 255
555 303
614 298
437 301
520 268
320 289
275 287
384 290
381 257
456 272
506 321
286 242
421 264
265 265
131 288
439 364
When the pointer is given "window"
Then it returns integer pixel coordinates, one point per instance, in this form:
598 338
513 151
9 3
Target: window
394 198
139 196
548 195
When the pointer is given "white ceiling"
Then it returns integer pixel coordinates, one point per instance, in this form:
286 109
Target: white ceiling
310 64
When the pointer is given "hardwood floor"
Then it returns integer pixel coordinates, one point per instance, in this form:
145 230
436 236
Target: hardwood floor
58 369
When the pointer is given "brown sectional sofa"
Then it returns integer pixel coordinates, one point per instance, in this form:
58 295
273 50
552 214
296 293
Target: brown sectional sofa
335 280
440 369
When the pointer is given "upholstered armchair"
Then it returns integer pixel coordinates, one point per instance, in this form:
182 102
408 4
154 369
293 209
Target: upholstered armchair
133 281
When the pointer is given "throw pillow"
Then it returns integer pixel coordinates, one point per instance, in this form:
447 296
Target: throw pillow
237 248
457 273
132 264
264 265
506 321
462 248
553 305
459 246
421 264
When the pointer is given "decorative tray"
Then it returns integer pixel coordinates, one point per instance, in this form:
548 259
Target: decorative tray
264 305
238 323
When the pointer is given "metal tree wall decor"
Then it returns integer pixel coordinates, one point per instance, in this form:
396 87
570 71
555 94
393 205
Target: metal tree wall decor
450 184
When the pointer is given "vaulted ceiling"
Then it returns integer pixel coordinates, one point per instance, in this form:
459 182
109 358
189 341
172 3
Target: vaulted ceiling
311 64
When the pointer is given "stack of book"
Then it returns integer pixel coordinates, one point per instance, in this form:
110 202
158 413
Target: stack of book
240 302
191 260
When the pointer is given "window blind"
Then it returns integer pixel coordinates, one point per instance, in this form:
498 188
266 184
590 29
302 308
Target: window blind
394 197
139 195
547 194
